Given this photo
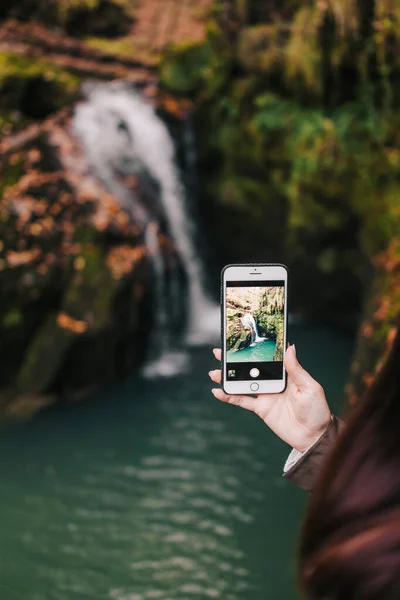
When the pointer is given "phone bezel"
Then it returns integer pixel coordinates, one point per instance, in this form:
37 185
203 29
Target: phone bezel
252 272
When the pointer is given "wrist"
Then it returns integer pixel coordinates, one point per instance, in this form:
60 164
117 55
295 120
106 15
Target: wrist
313 437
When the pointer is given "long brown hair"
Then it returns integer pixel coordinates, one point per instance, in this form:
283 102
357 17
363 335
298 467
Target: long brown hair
350 546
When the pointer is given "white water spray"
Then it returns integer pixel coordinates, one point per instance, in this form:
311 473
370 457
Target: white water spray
250 323
121 132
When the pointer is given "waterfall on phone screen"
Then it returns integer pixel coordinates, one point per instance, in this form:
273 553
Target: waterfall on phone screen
249 322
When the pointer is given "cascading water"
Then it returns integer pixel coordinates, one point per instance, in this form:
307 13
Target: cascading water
250 323
165 359
122 133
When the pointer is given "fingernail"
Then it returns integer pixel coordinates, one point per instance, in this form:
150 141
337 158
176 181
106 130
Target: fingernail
213 391
209 373
294 349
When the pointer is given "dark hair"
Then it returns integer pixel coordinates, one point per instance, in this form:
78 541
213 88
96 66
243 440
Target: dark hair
350 546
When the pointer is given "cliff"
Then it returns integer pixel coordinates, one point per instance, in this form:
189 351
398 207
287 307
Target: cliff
298 135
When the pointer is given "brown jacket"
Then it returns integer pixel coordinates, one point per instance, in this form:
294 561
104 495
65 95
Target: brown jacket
305 471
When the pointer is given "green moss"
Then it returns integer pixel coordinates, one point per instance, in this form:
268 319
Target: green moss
17 65
261 47
126 48
32 88
12 318
91 290
184 66
10 173
85 233
47 348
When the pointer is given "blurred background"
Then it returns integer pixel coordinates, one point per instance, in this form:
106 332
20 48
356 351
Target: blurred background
145 144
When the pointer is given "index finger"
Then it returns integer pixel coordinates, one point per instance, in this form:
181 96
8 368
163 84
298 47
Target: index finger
246 402
217 353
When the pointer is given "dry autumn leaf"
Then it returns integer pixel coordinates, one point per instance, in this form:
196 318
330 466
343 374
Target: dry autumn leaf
15 259
79 263
70 324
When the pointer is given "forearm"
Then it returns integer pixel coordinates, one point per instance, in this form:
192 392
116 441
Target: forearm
303 469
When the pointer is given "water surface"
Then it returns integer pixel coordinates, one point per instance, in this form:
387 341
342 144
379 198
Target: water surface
259 351
154 490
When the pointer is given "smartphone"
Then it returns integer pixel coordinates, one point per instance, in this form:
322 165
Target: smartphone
254 328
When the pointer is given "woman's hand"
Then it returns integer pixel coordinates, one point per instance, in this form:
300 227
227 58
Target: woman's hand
299 415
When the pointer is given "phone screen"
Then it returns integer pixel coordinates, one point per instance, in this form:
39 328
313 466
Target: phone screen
255 330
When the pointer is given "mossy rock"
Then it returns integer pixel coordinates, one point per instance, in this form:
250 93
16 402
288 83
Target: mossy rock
33 88
109 18
237 336
279 349
43 357
85 309
88 298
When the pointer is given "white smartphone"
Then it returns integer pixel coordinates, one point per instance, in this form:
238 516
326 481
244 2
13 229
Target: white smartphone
254 326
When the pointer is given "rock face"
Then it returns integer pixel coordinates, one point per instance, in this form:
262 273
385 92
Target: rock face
77 272
74 274
298 135
380 322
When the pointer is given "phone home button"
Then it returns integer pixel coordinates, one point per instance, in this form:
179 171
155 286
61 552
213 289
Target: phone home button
254 387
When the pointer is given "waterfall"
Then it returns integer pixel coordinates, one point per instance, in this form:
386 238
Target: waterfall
250 323
122 133
164 359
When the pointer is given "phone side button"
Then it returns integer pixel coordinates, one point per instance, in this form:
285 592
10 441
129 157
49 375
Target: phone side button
254 387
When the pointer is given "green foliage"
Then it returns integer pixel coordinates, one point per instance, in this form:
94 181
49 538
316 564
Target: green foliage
183 68
339 157
200 68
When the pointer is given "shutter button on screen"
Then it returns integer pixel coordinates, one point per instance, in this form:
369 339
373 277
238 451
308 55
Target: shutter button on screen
254 372
254 387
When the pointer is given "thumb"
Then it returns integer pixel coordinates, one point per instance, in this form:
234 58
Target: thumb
294 369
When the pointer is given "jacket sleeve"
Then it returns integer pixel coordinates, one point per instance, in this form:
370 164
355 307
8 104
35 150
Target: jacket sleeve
306 469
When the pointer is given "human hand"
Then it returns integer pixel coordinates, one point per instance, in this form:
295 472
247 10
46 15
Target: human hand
299 415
